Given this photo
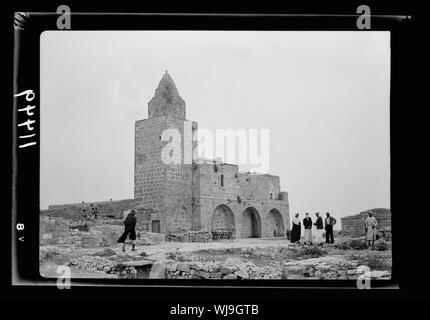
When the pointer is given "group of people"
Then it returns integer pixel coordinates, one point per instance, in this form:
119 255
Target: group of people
308 224
370 225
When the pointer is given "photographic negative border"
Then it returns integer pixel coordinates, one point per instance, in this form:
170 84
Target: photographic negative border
26 161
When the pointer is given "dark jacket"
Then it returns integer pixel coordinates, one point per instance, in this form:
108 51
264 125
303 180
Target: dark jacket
129 224
307 223
331 222
319 223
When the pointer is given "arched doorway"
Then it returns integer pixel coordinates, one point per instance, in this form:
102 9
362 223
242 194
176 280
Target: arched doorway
275 223
223 224
251 223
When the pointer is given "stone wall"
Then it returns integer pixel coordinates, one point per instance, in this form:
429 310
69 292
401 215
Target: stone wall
259 186
354 226
78 210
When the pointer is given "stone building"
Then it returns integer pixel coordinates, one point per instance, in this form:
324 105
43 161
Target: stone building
199 194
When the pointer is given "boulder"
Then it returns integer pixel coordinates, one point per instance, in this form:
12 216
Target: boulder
158 271
241 274
225 270
203 274
230 276
216 275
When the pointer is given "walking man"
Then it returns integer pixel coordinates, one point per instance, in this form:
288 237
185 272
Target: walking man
129 224
296 231
307 223
329 223
319 227
371 224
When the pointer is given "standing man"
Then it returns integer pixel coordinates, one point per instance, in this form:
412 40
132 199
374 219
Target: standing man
371 224
329 223
130 231
319 227
307 223
296 231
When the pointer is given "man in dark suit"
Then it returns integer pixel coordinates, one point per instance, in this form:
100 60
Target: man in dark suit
319 226
307 223
329 223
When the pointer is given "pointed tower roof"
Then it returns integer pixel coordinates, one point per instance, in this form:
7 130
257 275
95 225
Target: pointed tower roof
167 86
166 100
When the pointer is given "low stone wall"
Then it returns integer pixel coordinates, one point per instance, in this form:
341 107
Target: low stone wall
88 234
113 208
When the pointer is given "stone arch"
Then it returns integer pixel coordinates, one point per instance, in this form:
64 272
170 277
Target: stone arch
250 223
274 223
223 218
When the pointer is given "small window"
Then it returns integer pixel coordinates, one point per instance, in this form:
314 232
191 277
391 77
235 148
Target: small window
222 180
271 195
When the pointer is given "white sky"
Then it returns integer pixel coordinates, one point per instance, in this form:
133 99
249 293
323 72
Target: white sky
323 95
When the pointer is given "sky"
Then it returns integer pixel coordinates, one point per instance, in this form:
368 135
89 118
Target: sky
324 96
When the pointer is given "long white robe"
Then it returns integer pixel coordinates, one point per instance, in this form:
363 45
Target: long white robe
371 224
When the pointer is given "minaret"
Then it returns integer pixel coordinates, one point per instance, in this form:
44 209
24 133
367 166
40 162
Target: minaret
164 189
166 100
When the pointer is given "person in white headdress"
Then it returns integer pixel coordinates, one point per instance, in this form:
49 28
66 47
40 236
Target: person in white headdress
371 224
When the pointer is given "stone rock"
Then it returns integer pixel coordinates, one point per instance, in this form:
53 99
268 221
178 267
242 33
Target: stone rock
225 270
138 263
184 267
230 276
107 269
172 267
158 271
213 267
216 275
133 270
241 274
203 274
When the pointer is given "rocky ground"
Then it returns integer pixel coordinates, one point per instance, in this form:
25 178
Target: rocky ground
237 259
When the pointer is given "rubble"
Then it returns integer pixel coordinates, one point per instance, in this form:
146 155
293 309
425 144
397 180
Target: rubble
189 236
335 268
230 269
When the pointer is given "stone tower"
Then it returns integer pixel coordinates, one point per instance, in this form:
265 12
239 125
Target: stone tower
163 189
